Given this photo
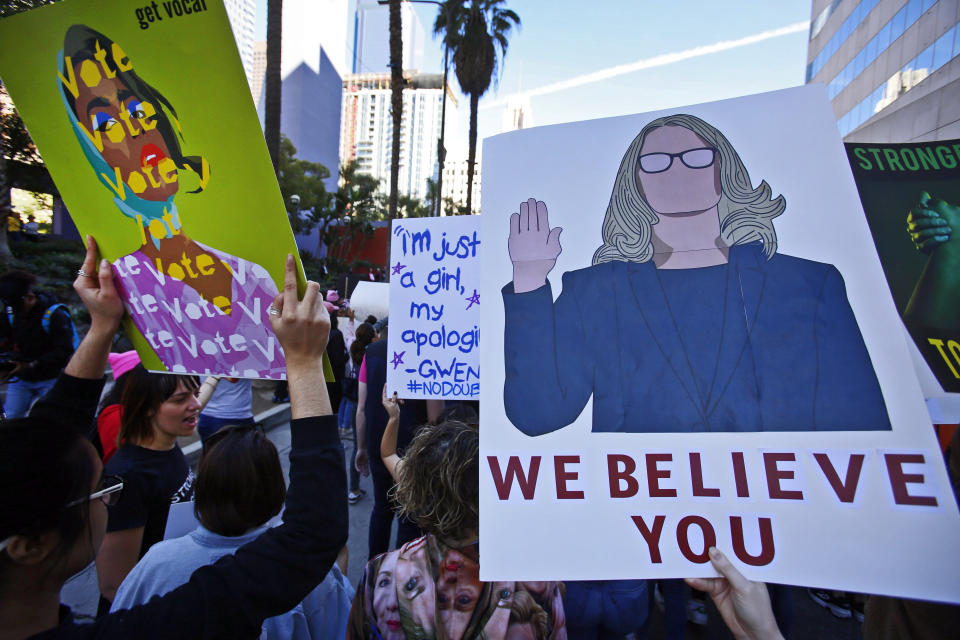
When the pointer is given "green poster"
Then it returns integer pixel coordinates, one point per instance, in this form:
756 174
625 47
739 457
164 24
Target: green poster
144 118
911 196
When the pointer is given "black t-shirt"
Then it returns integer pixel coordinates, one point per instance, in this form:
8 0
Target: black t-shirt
152 480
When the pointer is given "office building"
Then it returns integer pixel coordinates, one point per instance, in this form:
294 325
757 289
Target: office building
455 183
259 69
371 38
890 67
242 15
367 128
311 85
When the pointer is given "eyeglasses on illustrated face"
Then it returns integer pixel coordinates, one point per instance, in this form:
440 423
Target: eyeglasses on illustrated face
108 495
699 158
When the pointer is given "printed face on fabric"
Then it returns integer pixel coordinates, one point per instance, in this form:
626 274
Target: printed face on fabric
416 588
458 591
691 180
428 590
385 608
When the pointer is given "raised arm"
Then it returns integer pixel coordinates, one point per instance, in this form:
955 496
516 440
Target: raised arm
277 570
388 444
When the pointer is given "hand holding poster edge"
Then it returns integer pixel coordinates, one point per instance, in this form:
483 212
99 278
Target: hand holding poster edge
149 111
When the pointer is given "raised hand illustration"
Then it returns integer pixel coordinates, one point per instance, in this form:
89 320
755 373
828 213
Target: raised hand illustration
533 246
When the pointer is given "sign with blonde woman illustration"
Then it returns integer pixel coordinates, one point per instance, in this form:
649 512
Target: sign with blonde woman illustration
143 115
689 344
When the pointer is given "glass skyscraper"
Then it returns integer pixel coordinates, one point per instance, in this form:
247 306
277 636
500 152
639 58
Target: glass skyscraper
890 67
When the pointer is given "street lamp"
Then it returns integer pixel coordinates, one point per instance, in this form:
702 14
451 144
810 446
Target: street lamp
441 150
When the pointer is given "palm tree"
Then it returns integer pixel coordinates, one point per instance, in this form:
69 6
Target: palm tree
476 35
274 95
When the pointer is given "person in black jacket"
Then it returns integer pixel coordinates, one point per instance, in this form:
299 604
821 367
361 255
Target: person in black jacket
51 494
37 335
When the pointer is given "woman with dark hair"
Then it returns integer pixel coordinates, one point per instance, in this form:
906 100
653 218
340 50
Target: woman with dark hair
433 586
239 489
52 494
201 309
156 410
347 415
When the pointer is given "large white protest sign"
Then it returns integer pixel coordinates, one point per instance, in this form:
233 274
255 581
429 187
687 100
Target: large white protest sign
706 354
434 336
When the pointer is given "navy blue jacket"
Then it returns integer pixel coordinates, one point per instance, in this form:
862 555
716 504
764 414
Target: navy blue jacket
790 355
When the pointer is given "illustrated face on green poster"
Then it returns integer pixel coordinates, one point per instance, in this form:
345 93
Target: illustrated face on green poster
911 196
149 132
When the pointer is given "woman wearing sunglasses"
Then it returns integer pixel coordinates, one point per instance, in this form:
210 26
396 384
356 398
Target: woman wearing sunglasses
52 494
718 331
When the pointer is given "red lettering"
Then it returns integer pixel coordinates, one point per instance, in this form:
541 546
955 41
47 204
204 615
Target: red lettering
654 475
740 474
767 550
563 477
696 477
683 538
651 536
775 475
527 482
847 489
626 475
899 480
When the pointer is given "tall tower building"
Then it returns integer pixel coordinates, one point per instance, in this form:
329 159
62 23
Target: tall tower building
309 25
890 67
371 38
455 183
312 88
367 128
242 15
259 69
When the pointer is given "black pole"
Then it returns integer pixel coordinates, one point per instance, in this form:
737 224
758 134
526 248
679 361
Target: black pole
441 150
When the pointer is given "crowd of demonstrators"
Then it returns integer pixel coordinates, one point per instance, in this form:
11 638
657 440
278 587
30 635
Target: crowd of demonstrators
55 492
235 575
239 489
37 337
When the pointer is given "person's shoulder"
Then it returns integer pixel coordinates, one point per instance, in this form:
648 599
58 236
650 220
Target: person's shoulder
377 348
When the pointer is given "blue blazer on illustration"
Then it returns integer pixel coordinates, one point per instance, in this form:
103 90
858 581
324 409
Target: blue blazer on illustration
790 355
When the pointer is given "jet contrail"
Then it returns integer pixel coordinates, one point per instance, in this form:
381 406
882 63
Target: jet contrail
649 63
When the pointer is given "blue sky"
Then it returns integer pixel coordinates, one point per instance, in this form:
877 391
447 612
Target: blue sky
563 39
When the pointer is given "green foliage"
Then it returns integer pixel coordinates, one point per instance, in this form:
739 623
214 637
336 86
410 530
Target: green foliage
303 179
410 207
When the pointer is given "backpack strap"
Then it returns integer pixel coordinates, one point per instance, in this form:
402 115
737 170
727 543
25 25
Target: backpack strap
45 320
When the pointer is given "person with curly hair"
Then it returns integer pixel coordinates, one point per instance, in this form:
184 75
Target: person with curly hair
433 584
